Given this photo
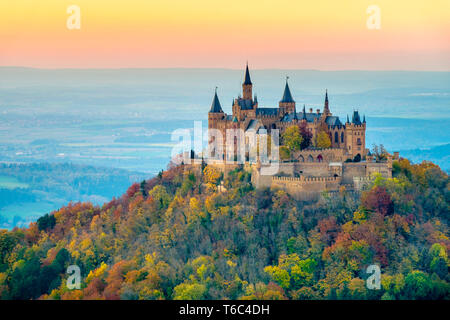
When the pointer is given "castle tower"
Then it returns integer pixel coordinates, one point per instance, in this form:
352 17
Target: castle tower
247 86
355 132
215 114
287 103
216 120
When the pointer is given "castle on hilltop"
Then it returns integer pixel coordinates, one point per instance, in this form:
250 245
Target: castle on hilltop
246 115
344 162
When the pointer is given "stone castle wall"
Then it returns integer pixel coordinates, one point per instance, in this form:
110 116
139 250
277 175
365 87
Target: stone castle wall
306 188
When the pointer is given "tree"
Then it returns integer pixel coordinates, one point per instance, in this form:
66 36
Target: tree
417 285
160 196
438 260
379 152
292 138
46 222
377 199
323 140
187 291
143 188
306 135
285 154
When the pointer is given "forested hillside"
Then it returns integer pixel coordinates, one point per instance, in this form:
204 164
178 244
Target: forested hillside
180 236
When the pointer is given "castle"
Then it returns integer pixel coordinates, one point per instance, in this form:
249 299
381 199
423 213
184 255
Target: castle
345 161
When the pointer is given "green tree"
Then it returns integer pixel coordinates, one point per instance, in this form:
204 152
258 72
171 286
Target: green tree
292 138
187 291
323 140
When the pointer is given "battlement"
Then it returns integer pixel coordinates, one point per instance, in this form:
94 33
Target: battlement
306 179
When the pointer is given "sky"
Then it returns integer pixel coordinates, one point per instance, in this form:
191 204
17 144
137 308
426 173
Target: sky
286 34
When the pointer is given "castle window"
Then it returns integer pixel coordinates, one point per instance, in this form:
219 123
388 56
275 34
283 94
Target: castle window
301 159
359 142
319 158
336 137
342 137
310 158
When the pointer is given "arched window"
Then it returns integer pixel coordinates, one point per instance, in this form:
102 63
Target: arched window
319 158
301 159
310 158
336 137
273 126
358 142
342 137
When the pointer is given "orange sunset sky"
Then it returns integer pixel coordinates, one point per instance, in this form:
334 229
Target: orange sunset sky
319 34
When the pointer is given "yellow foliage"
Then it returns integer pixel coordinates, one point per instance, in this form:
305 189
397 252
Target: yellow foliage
292 138
85 244
359 216
211 175
210 204
194 204
94 223
75 254
97 273
151 259
231 263
323 140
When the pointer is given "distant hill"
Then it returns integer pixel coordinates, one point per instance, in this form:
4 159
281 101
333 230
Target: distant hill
439 155
27 191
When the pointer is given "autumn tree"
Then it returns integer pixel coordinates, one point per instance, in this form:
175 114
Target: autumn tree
322 140
306 135
292 138
377 199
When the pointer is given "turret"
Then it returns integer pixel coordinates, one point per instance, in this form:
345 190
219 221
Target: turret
247 86
287 102
355 118
304 113
326 109
215 105
216 112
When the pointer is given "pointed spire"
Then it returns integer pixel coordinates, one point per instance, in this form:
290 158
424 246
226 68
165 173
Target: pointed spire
247 79
304 112
295 113
256 99
326 109
348 120
355 118
364 118
287 96
215 106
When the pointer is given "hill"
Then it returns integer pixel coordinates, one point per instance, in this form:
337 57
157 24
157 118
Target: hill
180 236
439 155
29 190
